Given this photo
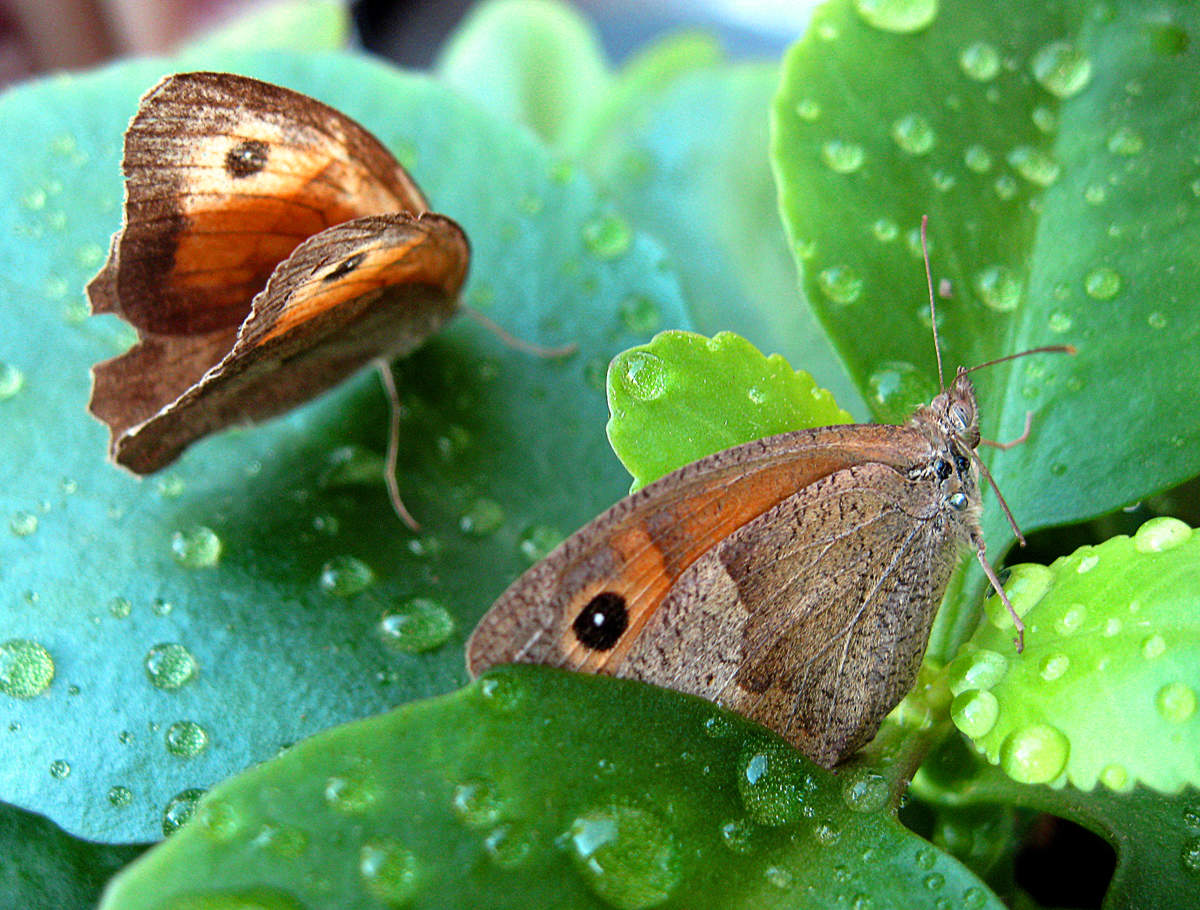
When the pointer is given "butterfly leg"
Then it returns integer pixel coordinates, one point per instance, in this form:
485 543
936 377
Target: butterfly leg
1019 641
516 343
393 444
1015 442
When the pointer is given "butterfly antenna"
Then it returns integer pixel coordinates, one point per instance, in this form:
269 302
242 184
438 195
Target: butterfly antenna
1048 349
937 347
393 444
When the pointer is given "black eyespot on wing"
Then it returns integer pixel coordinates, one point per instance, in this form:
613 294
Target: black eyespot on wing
602 622
942 468
345 267
246 158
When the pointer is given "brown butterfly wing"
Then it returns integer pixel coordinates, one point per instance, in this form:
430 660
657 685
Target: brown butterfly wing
225 177
813 618
619 568
370 287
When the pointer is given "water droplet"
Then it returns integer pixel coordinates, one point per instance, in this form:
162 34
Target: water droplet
389 872
1035 754
1053 666
169 665
982 669
1157 320
718 727
913 134
281 840
1154 646
1034 165
538 541
417 626
1060 322
1061 69
902 17
1025 586
219 821
626 856
775 786
26 668
896 389
1005 187
865 791
179 810
1158 535
779 877
508 845
826 833
980 61
483 517
1044 119
999 287
1190 855
641 374
977 159
974 712
640 314
345 576
1115 777
1071 620
943 181
607 236
501 693
476 804
11 380
974 898
808 109
1095 193
350 795
160 607
22 524
196 547
1176 702
935 881
1087 563
843 157
1126 141
60 768
119 797
186 739
1102 283
119 607
840 284
885 230
738 835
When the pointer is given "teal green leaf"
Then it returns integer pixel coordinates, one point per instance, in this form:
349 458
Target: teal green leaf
684 396
1156 836
294 25
45 867
1052 148
1111 663
259 588
533 61
538 788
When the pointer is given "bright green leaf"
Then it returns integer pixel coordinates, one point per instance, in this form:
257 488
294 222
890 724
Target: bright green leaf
1111 663
294 25
538 788
684 396
286 632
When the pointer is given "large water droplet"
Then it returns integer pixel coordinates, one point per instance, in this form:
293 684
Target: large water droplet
1053 666
11 380
843 157
389 872
169 665
350 794
980 61
1034 165
483 517
999 287
1116 778
26 668
641 374
476 804
344 576
1176 702
186 739
1154 646
840 284
901 17
1035 754
1158 535
23 523
775 786
1061 69
1127 141
974 712
417 626
865 791
196 547
1102 283
981 669
913 134
977 159
179 810
219 820
626 855
607 236
896 389
1044 119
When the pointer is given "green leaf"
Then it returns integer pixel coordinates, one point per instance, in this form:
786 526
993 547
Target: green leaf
538 788
1157 837
44 867
1052 148
535 61
1110 664
286 630
294 25
683 396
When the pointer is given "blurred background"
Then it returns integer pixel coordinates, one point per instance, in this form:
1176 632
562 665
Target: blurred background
40 36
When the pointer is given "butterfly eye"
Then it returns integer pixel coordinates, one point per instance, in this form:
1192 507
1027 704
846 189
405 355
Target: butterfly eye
960 417
957 501
961 462
601 622
941 467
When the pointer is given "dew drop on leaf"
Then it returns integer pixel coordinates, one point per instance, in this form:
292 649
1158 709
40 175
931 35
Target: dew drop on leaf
774 785
974 712
196 547
1176 702
389 872
179 810
26 668
840 284
913 134
23 523
476 804
11 380
1061 69
1102 283
901 17
169 665
641 374
980 61
842 157
896 389
607 236
999 287
626 856
1161 534
60 769
417 626
344 576
119 796
186 739
1035 754
483 517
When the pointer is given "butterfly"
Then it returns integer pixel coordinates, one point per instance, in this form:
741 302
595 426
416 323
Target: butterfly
793 579
270 247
